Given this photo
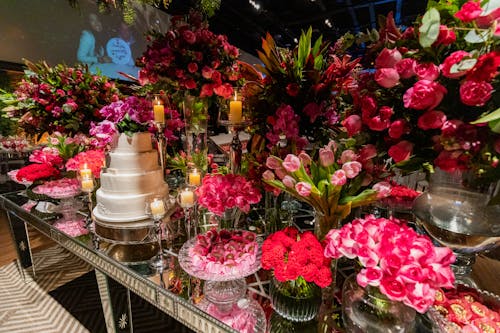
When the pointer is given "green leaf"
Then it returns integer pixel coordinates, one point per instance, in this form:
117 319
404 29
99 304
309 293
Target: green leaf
495 126
429 30
495 115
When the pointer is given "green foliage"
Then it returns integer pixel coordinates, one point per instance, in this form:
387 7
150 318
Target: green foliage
429 30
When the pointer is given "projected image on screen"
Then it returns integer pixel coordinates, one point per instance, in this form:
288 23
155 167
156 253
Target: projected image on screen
56 32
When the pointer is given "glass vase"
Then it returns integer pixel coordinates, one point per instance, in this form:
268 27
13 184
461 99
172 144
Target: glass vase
324 222
195 111
455 212
368 310
296 300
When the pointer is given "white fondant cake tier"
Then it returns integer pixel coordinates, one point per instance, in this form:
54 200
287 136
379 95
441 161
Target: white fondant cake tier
137 143
124 207
115 181
131 161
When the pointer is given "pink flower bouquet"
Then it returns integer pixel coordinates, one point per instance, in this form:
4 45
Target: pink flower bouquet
404 265
219 192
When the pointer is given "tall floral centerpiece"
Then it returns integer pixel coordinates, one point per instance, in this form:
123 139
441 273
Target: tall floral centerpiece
196 68
397 265
332 184
299 270
431 82
60 98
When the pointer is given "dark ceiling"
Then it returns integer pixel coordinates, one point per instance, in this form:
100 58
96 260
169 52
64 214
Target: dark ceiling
245 25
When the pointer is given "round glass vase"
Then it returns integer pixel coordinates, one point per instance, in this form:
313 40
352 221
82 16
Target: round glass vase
296 300
368 310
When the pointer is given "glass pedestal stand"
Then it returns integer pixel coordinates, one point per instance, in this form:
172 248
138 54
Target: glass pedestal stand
225 294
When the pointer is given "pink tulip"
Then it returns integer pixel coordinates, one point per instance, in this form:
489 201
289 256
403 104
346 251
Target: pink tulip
326 157
303 188
338 178
352 169
268 175
347 156
291 163
383 189
273 162
288 181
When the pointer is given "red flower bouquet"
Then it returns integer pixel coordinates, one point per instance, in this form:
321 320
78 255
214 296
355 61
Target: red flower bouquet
295 256
404 265
190 59
33 172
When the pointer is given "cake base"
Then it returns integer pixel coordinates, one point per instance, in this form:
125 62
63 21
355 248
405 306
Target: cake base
138 232
132 254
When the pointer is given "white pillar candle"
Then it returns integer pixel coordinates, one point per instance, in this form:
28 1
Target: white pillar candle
187 198
157 207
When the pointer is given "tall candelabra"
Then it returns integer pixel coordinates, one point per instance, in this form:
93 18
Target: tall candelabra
159 120
186 198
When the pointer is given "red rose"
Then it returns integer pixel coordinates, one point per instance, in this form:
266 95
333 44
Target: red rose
388 58
486 67
207 72
292 89
427 71
446 36
189 84
207 90
378 124
401 151
224 90
424 95
469 11
368 106
189 36
387 77
192 67
451 161
409 33
431 120
451 60
352 124
475 93
406 68
398 128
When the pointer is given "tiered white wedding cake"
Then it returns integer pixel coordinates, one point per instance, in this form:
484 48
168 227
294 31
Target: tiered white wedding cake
133 175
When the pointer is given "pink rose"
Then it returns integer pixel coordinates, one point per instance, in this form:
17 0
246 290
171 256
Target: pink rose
427 71
288 181
338 178
424 95
303 188
451 60
387 77
383 189
368 106
291 163
352 124
411 273
406 68
273 162
398 128
393 289
469 11
475 93
369 276
352 169
446 36
388 58
431 120
401 151
224 90
326 157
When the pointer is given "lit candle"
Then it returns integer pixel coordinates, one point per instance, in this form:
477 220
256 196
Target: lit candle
157 207
187 198
235 109
85 172
158 110
87 184
194 178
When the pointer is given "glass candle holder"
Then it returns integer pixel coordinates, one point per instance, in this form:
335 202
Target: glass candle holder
158 109
193 176
232 113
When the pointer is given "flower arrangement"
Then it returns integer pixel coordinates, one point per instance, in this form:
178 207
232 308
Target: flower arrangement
33 172
219 192
404 265
224 251
296 256
190 59
14 143
59 98
93 159
430 83
304 90
129 115
332 184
